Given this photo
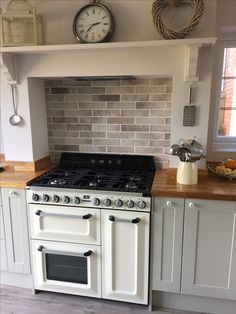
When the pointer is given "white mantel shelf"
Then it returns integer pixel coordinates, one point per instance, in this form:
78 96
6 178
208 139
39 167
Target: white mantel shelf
8 61
111 45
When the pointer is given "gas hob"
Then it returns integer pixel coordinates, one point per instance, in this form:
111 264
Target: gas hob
120 173
96 180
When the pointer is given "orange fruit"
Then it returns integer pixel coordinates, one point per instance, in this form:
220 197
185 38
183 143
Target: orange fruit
230 163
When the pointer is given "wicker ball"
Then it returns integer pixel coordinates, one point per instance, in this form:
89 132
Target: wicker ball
159 5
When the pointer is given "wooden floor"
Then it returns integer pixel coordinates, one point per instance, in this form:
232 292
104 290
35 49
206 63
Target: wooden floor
22 301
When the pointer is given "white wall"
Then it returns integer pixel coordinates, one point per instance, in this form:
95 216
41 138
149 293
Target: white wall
38 118
133 19
134 23
17 139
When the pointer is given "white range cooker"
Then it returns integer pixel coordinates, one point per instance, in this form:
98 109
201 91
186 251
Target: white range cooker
90 226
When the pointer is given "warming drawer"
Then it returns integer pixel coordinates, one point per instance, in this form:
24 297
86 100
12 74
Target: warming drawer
64 223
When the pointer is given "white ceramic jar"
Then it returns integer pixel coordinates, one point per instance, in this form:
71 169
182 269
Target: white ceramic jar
187 173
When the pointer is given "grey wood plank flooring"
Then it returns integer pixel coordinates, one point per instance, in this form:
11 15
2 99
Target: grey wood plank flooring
15 300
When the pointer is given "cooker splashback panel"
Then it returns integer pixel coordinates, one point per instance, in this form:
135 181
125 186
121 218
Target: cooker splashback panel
124 116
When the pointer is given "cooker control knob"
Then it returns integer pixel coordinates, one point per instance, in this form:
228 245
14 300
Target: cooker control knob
130 203
141 204
35 197
77 200
45 197
66 199
95 201
119 202
55 198
107 202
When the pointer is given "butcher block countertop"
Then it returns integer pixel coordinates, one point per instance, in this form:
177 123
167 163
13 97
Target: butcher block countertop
17 179
164 184
209 186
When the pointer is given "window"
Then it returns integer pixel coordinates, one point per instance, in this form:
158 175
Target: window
227 108
222 123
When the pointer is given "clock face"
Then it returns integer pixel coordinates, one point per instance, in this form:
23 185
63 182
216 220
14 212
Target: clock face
93 23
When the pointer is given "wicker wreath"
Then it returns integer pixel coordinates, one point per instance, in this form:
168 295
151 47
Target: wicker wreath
159 5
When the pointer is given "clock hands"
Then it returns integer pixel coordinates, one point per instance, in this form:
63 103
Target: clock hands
97 23
87 25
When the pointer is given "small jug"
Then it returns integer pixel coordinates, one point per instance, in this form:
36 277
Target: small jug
187 173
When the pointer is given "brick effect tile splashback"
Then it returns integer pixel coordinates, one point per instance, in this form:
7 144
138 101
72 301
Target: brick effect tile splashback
114 116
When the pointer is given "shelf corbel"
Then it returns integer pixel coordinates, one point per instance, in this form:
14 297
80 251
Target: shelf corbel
8 67
191 67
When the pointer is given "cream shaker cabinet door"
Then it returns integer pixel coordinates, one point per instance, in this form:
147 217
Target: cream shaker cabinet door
167 230
209 249
125 251
16 230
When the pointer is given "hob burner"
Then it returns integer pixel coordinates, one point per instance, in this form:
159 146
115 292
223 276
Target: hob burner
58 182
134 177
131 185
94 183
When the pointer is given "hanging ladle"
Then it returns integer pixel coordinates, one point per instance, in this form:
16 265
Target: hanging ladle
15 119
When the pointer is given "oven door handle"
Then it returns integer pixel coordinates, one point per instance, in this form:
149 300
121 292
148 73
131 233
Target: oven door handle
43 250
133 221
40 213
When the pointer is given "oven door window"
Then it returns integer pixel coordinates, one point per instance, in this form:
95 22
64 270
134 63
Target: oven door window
67 268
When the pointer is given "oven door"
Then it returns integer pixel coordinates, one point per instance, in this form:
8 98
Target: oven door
65 223
67 268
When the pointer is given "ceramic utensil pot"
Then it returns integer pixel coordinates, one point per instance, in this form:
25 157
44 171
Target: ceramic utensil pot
15 119
187 173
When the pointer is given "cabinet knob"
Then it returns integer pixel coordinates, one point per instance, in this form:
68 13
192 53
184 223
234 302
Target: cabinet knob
191 205
12 194
169 203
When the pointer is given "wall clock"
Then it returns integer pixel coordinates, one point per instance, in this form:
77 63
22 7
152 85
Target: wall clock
93 23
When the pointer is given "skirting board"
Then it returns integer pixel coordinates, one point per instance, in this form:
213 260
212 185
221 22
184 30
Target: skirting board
16 280
192 303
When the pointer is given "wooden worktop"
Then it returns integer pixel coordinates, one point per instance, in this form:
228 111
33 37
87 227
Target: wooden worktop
164 184
208 186
18 179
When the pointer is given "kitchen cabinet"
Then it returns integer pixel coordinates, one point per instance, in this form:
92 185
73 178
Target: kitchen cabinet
16 230
207 249
125 251
3 254
167 243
